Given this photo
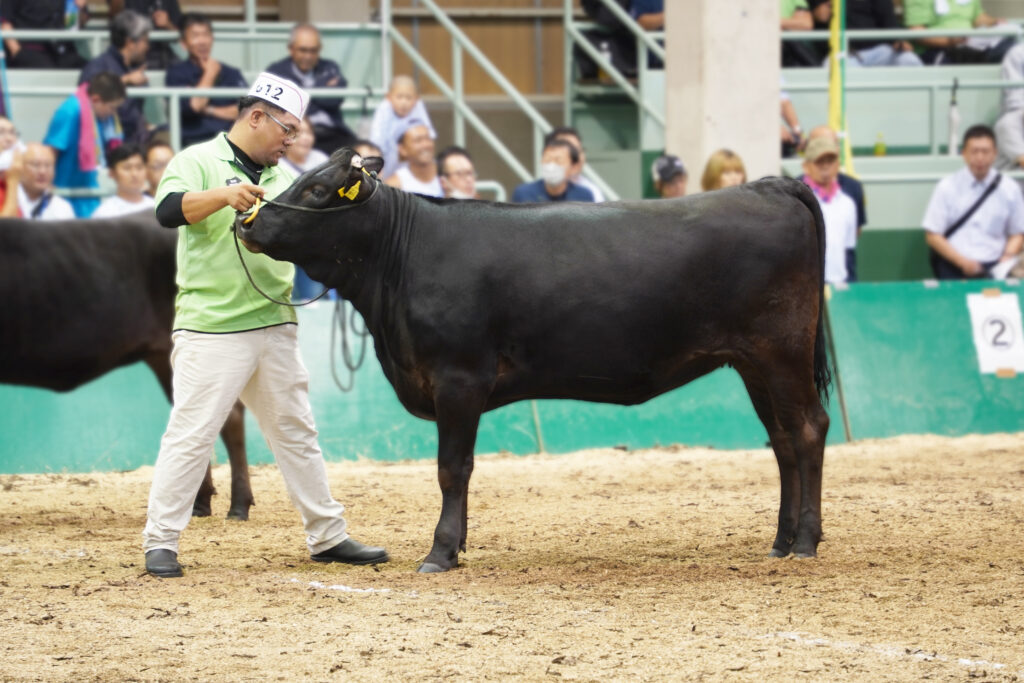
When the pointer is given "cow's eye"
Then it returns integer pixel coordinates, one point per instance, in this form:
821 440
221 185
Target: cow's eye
316 192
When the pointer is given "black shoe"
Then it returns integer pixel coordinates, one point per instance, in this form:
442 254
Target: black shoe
163 563
351 551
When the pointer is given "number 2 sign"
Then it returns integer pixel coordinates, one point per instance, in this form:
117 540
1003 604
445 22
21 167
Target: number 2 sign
998 337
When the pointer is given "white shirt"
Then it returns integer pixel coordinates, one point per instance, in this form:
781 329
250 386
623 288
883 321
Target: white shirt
112 207
840 215
314 159
594 189
385 127
411 184
56 209
983 237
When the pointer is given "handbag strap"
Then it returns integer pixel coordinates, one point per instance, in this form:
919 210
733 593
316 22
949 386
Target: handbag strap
974 207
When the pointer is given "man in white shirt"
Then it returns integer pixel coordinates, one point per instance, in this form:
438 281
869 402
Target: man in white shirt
994 232
36 199
419 172
128 169
821 174
457 174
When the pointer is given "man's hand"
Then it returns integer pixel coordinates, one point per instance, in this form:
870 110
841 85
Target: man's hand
211 69
971 267
242 196
136 77
161 19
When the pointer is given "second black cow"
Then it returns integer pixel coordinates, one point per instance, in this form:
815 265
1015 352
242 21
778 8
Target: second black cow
474 305
81 298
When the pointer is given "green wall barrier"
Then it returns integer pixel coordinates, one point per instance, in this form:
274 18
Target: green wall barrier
908 363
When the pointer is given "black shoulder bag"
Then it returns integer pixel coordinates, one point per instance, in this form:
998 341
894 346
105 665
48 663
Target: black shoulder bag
936 260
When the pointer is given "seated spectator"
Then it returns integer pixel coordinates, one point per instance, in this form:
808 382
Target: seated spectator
457 173
955 14
558 158
306 68
365 148
73 134
1010 125
10 143
795 15
650 14
34 172
572 135
302 155
128 169
724 169
868 15
126 57
967 237
401 105
821 171
203 117
164 15
51 14
419 172
669 176
158 154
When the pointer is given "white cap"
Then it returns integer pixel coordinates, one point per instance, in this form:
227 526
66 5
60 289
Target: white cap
280 92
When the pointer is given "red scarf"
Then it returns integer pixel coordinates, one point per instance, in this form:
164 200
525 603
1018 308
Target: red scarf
824 193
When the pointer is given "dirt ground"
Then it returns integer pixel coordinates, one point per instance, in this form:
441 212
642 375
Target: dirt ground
597 565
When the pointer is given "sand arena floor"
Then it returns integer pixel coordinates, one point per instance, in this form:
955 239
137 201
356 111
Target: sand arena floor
596 565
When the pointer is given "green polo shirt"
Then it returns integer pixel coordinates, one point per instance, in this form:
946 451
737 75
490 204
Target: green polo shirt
922 13
214 294
788 8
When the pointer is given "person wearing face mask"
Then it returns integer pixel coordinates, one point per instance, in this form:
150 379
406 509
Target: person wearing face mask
558 158
458 176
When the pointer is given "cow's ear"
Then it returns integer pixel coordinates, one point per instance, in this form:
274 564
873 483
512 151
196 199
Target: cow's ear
373 164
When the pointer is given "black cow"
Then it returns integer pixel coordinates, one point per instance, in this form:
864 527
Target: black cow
474 305
80 298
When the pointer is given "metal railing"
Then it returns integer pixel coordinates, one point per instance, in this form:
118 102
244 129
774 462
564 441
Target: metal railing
455 92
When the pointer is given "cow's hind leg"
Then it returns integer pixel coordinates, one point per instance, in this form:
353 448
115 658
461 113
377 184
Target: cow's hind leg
233 435
787 403
458 406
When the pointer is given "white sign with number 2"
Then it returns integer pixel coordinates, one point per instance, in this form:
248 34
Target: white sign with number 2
998 336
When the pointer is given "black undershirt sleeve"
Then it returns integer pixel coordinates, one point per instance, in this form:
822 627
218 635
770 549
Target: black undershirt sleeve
169 213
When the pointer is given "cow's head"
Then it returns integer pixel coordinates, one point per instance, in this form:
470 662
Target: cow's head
306 224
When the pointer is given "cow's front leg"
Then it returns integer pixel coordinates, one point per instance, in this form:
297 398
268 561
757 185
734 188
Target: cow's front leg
201 505
458 416
233 435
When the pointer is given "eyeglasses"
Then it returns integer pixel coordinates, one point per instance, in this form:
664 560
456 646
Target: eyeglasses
307 50
465 173
289 132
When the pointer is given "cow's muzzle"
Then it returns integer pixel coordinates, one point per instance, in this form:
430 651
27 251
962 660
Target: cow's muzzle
243 230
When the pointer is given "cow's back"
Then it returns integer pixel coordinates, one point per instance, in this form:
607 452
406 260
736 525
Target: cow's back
82 297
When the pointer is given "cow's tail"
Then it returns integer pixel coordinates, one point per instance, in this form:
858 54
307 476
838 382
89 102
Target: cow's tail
822 366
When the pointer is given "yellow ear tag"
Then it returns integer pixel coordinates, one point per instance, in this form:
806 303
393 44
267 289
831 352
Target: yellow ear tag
352 191
255 210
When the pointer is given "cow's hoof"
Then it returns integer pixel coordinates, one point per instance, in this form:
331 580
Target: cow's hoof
431 568
238 515
778 553
805 555
201 511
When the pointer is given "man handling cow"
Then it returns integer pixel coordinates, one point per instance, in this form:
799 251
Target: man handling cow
230 342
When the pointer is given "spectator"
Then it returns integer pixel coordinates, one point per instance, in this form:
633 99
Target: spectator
81 131
203 117
33 173
457 173
42 14
305 68
365 148
164 15
795 15
557 159
158 154
967 237
848 184
956 14
869 15
128 169
419 172
126 57
303 155
401 105
669 176
576 172
10 144
650 14
724 169
1010 125
791 132
821 171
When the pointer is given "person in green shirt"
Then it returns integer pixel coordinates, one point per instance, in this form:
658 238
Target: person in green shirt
229 341
955 14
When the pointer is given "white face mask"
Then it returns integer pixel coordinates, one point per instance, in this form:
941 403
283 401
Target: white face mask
459 194
552 174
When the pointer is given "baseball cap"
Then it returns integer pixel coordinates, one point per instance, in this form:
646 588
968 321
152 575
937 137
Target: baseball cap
281 93
819 147
666 167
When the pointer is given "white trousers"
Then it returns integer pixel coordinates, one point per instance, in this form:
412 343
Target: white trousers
211 371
